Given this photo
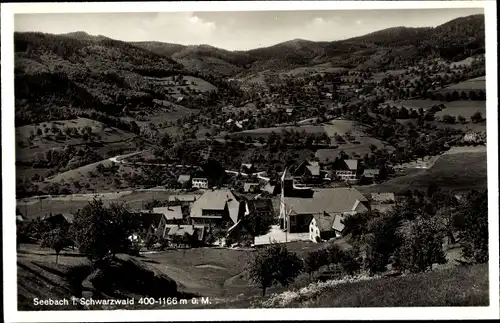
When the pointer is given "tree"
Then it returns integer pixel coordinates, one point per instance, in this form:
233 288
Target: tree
258 225
315 260
462 119
474 235
382 242
334 254
274 264
56 239
350 262
476 117
101 231
421 246
448 119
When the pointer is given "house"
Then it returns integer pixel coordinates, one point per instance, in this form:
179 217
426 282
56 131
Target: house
370 174
180 230
289 111
260 208
184 179
329 95
170 214
296 213
147 221
56 220
199 183
308 170
251 187
179 99
247 168
382 202
215 207
383 198
183 198
321 227
347 170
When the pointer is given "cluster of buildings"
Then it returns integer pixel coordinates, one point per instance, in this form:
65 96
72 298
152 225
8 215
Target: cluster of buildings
321 212
317 214
346 170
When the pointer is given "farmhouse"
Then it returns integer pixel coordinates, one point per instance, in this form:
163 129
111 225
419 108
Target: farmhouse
347 170
170 214
183 198
382 202
181 230
184 179
370 174
296 213
307 170
200 183
215 207
247 168
59 219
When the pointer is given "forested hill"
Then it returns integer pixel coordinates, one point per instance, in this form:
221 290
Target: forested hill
399 46
55 74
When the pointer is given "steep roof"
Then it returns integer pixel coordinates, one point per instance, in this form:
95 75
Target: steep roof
170 212
184 178
371 172
324 222
179 229
314 169
352 164
332 200
183 197
216 200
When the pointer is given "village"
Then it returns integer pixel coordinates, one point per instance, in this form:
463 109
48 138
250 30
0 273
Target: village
297 208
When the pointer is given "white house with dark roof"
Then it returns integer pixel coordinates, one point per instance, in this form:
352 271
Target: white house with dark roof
297 213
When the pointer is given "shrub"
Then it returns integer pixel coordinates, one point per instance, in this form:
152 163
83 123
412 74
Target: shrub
274 264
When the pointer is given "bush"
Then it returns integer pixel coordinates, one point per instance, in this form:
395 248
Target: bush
421 246
474 236
274 264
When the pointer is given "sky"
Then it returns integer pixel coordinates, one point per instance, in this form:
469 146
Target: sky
241 30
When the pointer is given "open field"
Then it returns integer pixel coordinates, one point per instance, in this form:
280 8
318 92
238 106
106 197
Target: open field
264 132
463 108
69 204
193 83
213 272
477 83
103 135
426 104
457 171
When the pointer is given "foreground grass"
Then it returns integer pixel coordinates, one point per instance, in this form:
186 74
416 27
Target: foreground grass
460 286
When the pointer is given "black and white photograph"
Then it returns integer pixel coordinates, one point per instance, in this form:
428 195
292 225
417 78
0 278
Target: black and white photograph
327 160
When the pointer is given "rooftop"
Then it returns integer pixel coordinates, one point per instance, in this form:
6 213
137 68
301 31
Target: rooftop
216 200
170 212
332 200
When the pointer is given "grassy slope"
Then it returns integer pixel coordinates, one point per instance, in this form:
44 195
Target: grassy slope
460 286
457 172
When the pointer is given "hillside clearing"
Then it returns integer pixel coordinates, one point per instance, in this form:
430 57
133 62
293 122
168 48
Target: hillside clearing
458 171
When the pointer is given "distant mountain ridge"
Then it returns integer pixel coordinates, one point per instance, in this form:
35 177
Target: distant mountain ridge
453 40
